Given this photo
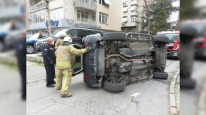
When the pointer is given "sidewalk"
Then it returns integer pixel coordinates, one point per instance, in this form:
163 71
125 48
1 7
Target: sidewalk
35 72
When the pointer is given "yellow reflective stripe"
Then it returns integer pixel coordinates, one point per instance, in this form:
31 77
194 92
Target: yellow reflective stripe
84 50
66 77
58 84
63 64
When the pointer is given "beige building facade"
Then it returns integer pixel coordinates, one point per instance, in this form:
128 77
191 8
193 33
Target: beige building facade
99 14
133 13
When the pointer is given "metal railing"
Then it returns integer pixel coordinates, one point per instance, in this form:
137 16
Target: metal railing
37 7
86 5
83 22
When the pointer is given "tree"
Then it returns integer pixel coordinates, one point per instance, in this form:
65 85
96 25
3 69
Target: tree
161 10
157 14
148 15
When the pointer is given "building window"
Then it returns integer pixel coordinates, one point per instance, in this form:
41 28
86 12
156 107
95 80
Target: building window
103 18
134 8
82 16
93 17
102 2
126 30
125 9
133 30
134 18
85 1
124 20
34 20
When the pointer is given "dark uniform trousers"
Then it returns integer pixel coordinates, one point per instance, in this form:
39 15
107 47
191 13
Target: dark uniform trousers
50 73
48 53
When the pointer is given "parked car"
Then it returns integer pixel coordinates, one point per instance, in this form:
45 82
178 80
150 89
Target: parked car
28 36
32 40
173 48
9 36
75 33
200 39
117 59
39 44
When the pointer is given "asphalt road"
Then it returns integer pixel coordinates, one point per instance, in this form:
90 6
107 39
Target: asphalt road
189 98
143 97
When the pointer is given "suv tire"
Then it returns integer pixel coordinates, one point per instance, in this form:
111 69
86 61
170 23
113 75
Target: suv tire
114 87
160 75
30 49
114 36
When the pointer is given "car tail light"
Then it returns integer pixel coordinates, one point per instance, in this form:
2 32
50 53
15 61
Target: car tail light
86 45
86 78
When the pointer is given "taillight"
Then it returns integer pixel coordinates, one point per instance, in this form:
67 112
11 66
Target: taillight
86 45
86 78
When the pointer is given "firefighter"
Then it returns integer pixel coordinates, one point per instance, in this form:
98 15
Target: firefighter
64 61
49 57
60 40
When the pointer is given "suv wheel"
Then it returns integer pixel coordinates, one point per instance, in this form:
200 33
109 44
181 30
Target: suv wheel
160 75
30 49
114 87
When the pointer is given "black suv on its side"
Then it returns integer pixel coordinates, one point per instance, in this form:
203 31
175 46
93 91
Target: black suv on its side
77 34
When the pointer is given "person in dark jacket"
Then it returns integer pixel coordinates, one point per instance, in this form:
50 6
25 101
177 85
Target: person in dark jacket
48 52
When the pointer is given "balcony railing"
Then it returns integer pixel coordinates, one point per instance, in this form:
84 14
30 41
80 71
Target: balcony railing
86 5
83 22
37 7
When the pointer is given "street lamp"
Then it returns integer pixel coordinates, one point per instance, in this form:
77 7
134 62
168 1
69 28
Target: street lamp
46 2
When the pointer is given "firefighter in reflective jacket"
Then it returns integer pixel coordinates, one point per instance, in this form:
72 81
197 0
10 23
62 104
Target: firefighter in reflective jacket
64 64
60 40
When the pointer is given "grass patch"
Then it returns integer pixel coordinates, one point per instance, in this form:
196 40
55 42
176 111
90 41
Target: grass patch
38 63
11 65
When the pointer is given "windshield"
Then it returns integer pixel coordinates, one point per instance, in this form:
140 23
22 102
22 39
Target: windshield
173 37
60 33
35 36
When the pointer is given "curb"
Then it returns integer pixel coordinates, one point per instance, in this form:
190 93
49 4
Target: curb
201 102
8 58
36 58
174 104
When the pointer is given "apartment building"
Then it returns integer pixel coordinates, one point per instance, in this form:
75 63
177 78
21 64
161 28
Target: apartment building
132 15
101 14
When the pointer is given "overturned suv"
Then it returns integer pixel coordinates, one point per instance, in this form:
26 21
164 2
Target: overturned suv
117 59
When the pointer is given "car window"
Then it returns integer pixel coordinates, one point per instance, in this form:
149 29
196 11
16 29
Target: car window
60 33
203 32
173 37
35 36
72 33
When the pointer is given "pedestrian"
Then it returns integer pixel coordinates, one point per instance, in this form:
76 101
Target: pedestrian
49 57
40 35
60 40
64 61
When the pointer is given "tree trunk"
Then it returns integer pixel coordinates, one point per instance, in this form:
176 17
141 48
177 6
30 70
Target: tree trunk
147 6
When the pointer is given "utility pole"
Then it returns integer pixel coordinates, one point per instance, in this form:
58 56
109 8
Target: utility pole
48 11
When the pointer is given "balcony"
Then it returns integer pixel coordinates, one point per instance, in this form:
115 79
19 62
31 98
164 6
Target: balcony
85 23
86 5
37 7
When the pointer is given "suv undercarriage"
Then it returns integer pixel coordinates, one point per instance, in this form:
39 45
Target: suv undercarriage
118 59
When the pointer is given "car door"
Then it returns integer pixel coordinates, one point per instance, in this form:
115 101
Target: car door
78 59
75 35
